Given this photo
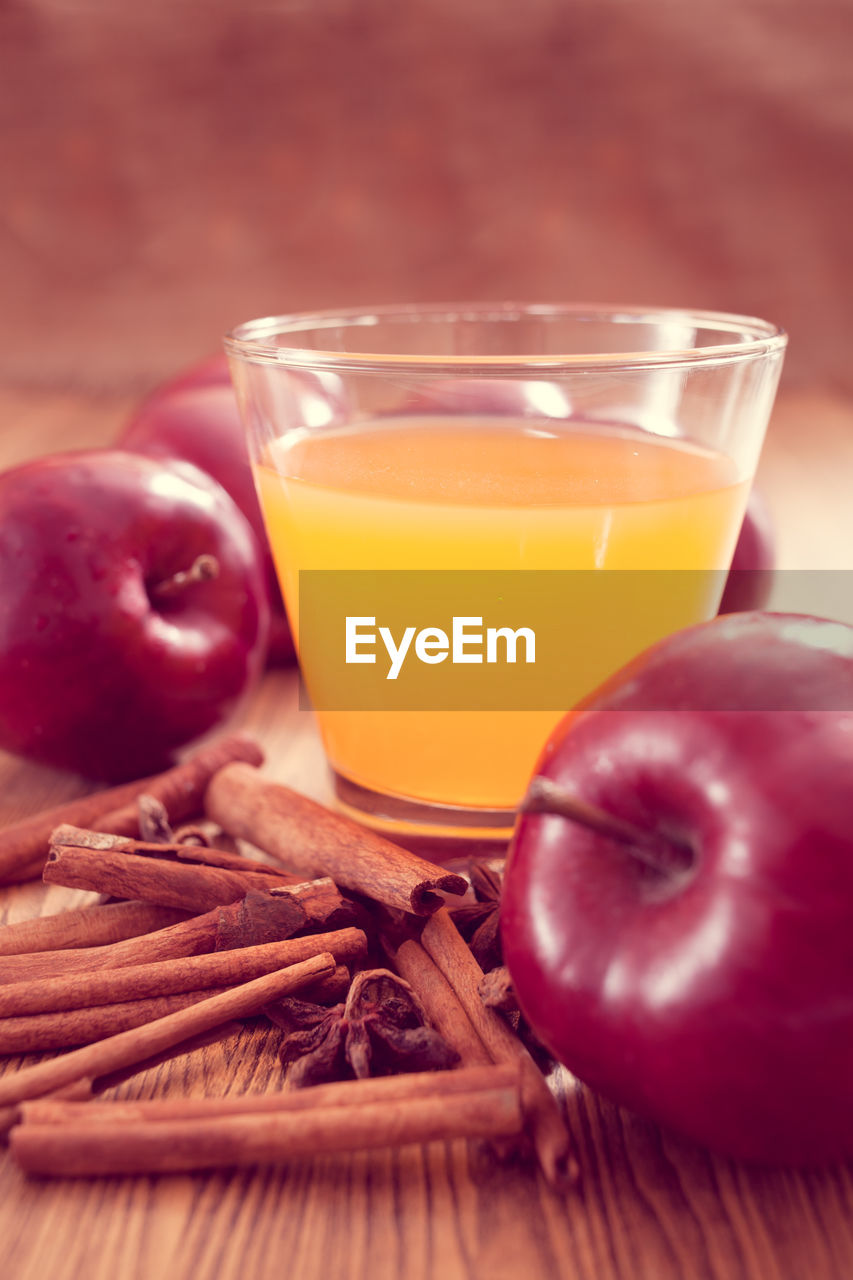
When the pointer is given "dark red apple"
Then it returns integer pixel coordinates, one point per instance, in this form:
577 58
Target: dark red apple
201 424
319 394
678 905
739 662
133 612
750 579
195 417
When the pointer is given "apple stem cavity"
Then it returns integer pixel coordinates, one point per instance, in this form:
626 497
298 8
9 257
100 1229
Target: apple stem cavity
203 569
662 854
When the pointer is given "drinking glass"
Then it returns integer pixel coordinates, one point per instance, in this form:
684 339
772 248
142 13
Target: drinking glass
433 463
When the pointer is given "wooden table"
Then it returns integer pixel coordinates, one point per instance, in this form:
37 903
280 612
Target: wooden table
652 1206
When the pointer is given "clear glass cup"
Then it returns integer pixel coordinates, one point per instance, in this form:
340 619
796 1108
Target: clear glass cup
493 439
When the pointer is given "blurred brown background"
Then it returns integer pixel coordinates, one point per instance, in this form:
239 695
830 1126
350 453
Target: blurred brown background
169 169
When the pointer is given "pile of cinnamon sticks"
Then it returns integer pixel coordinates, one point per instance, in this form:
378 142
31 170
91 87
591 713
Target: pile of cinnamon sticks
203 936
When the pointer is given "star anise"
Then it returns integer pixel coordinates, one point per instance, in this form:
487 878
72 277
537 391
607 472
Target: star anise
497 992
380 1030
479 922
154 826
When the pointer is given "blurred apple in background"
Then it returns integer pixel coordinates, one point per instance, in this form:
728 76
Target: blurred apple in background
194 417
133 610
516 397
201 424
750 578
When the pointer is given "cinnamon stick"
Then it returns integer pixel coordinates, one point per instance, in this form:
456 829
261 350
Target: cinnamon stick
23 845
214 857
312 840
65 1028
254 919
170 884
164 977
240 1140
86 927
40 1032
443 1007
330 988
442 940
324 906
97 865
86 838
142 1042
340 1093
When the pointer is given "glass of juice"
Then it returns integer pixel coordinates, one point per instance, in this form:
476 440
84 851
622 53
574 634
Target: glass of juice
574 448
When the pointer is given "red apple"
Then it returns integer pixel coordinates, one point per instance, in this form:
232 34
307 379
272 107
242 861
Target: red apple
678 905
739 662
195 417
201 424
750 579
319 393
133 614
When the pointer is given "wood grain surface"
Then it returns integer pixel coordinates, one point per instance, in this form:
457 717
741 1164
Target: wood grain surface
651 1206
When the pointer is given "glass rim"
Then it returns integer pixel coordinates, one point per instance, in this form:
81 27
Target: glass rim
252 341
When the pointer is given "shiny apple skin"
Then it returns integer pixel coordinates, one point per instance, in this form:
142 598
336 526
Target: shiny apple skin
96 675
739 662
201 423
718 1001
320 393
750 578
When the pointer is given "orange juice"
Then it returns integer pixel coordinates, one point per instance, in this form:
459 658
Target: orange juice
488 493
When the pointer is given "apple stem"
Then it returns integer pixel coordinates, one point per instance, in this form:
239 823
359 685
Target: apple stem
204 568
654 851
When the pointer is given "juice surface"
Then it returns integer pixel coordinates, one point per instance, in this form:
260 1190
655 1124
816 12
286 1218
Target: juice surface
489 493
